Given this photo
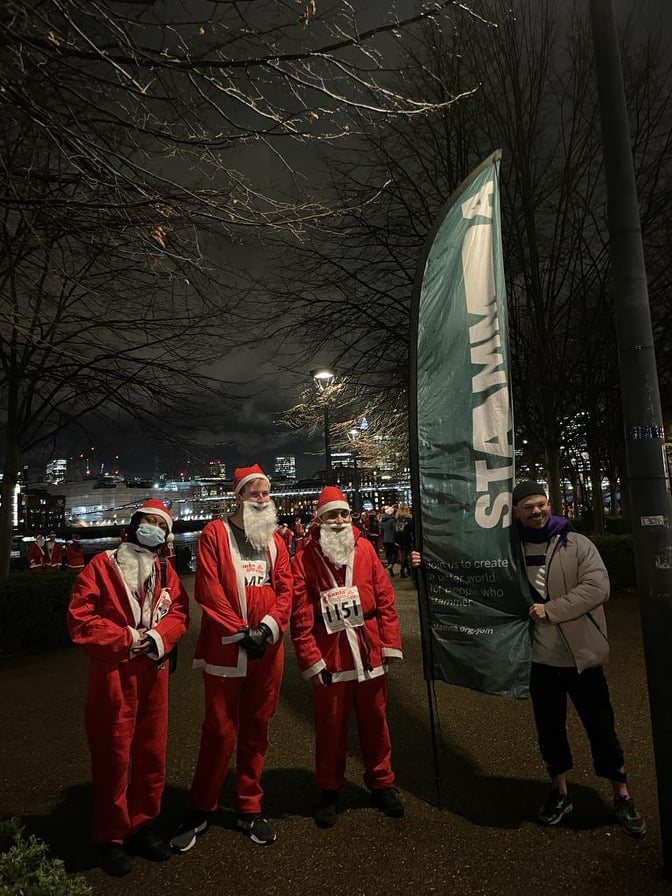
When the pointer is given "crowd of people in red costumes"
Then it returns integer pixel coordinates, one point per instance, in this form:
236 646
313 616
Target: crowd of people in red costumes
322 582
47 554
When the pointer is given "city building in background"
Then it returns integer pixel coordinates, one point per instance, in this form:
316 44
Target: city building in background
38 510
285 467
56 471
108 502
86 491
217 469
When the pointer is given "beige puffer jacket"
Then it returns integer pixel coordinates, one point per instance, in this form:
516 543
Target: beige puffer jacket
577 584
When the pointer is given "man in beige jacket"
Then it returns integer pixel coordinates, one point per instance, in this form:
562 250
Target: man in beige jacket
569 584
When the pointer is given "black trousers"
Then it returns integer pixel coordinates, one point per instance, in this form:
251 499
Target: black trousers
589 692
391 551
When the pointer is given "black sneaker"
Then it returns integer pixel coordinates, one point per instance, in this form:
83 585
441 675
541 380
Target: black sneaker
628 817
326 812
147 844
387 800
195 822
260 829
114 859
555 807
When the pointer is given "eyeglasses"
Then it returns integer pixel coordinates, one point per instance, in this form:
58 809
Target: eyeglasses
334 514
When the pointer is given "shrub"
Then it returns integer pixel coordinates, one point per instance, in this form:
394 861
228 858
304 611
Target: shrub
617 525
618 556
27 869
33 610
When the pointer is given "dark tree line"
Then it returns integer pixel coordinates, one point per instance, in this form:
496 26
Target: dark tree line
127 129
524 83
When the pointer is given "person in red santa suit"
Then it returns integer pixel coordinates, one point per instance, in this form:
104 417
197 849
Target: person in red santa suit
288 536
37 555
244 586
345 631
53 558
127 613
74 555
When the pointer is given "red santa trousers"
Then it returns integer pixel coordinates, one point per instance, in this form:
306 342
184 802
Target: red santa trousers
127 727
237 710
332 706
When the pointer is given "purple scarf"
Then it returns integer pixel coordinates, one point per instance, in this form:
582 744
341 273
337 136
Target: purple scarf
555 525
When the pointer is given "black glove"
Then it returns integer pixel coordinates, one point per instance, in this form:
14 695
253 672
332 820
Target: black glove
255 640
326 677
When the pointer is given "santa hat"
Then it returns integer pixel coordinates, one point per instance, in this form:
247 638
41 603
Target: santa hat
156 508
331 498
243 475
76 536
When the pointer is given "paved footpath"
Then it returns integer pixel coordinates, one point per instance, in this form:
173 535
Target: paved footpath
481 840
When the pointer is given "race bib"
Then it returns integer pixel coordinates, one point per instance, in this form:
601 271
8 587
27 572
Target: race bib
161 608
341 608
255 572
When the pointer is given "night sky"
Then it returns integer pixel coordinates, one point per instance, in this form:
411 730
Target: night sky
249 433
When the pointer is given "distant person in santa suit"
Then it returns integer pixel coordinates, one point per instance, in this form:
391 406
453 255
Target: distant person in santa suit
244 586
53 553
128 621
345 631
74 555
288 536
37 554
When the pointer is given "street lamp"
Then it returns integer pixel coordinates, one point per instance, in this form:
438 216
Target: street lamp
323 378
353 435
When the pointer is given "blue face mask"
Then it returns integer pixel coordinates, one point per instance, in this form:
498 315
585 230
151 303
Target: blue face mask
150 536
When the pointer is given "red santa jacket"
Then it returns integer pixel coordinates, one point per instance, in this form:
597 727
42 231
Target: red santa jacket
74 557
53 555
103 615
36 558
353 653
229 605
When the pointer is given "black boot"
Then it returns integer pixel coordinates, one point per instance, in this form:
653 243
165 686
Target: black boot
146 843
114 859
327 809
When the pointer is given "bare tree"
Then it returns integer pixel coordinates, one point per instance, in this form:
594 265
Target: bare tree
100 319
131 93
131 131
536 99
382 443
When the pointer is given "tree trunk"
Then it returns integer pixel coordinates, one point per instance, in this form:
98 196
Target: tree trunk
597 500
554 473
645 471
598 503
9 479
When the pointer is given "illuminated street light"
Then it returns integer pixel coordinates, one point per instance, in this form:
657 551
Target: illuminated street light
353 435
323 378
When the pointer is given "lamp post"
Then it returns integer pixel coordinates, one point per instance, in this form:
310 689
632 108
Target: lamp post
323 378
353 435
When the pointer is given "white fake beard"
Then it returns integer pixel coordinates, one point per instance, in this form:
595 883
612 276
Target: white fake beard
337 546
259 525
136 564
